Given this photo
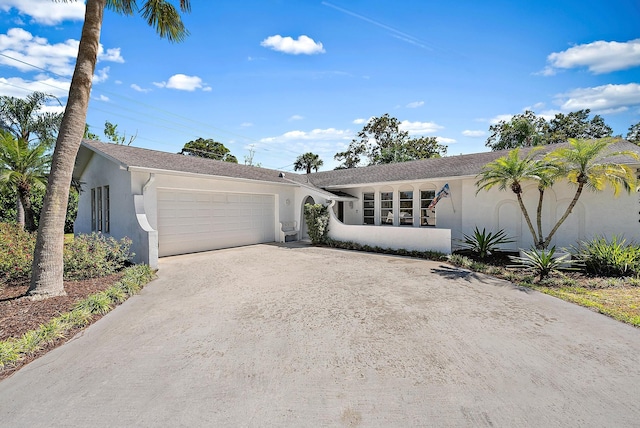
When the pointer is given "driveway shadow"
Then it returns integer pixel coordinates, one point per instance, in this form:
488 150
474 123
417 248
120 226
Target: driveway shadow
452 272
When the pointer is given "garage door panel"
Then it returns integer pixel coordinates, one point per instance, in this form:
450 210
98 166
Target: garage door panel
200 221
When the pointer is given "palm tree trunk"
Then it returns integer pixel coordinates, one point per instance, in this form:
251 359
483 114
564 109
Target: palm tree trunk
27 211
539 242
526 217
47 272
565 215
19 213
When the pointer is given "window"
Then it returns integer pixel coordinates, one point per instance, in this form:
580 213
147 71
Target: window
368 208
100 207
406 208
427 216
106 209
386 208
93 210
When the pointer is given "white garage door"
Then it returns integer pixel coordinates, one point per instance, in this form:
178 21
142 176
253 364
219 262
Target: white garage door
190 221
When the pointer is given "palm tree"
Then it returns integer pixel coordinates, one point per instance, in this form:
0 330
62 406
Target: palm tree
587 163
22 118
510 172
46 278
308 161
23 167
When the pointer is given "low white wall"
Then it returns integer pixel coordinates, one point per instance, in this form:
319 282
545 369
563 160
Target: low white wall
408 238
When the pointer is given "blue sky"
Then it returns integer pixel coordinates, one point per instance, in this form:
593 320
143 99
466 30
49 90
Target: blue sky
289 76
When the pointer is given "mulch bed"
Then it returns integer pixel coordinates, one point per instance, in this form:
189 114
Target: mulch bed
19 314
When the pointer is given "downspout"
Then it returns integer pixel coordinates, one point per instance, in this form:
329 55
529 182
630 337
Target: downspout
152 178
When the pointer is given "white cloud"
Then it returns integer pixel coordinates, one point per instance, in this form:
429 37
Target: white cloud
360 121
473 133
295 117
182 82
313 135
501 117
246 124
18 87
419 128
444 140
610 98
55 109
303 45
138 88
103 98
415 104
599 57
29 51
46 11
101 75
112 54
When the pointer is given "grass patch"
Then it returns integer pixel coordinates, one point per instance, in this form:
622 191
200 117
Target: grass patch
621 303
13 350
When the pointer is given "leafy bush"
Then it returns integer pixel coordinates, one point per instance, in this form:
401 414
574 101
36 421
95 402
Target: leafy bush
317 217
610 258
86 256
484 243
350 245
541 262
16 253
95 255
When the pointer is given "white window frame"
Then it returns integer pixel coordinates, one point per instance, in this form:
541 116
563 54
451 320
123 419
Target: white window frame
369 205
386 208
100 209
405 206
427 216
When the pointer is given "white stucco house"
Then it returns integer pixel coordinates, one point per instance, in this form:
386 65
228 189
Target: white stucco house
172 204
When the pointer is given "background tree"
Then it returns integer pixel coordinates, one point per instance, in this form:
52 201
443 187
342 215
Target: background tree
523 130
634 134
111 133
88 134
307 162
209 149
24 118
382 141
577 125
23 167
47 279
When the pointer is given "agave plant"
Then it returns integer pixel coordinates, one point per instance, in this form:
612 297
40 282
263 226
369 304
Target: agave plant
484 243
541 262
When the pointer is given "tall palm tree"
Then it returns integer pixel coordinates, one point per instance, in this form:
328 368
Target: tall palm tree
162 15
24 119
23 167
509 172
588 163
308 161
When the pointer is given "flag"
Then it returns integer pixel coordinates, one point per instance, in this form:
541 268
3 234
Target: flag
443 193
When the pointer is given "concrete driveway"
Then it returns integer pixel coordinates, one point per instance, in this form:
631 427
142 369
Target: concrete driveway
300 336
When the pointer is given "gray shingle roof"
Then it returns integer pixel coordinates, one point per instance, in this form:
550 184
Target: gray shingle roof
449 166
134 157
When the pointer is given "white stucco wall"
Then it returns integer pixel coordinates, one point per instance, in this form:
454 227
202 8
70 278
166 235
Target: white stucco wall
124 221
408 238
595 213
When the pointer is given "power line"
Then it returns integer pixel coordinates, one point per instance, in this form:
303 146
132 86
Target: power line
261 144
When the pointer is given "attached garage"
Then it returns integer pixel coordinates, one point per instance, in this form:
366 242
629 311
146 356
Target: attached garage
192 221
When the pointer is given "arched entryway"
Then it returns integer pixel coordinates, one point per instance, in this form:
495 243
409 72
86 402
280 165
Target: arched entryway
304 231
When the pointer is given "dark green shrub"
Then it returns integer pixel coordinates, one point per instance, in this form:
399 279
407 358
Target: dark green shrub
16 253
484 243
90 256
613 257
317 218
